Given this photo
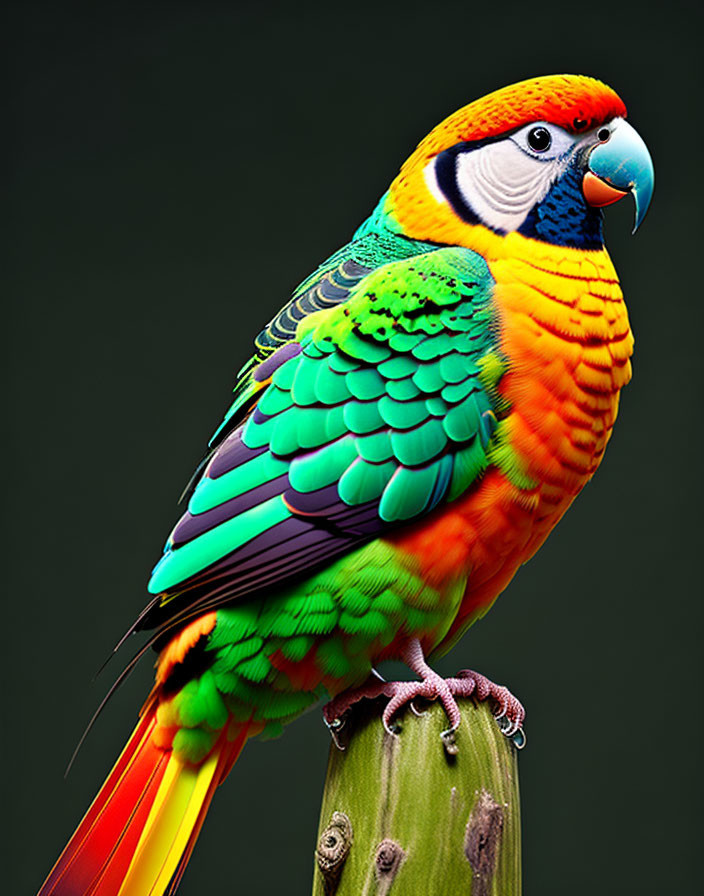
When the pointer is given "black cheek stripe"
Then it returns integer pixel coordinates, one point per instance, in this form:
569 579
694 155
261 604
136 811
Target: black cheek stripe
446 175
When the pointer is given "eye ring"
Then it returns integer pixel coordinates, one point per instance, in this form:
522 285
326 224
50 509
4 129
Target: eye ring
539 139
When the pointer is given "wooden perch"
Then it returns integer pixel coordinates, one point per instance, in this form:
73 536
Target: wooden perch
406 815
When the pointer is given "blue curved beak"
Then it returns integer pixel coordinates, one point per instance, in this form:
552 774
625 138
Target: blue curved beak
623 163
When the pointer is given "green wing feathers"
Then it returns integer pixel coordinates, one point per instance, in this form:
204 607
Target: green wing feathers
328 286
386 408
388 388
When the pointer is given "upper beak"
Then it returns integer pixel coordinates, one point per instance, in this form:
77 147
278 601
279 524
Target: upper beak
620 165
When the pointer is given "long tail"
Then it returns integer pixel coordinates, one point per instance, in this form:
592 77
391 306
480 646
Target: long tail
137 837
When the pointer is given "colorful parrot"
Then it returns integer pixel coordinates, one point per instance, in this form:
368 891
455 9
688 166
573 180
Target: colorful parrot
411 427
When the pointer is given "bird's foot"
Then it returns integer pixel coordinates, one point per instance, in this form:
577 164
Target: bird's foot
431 687
508 711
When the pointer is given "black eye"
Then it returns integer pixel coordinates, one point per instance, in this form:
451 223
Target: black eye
539 139
603 134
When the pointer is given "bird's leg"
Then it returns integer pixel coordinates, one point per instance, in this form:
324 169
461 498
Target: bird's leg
430 687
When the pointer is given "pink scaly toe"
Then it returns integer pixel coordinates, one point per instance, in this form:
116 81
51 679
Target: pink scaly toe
432 687
373 687
509 710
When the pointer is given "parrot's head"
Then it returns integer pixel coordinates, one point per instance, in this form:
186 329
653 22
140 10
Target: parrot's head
539 158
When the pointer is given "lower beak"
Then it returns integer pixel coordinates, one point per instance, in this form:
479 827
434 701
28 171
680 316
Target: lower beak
598 192
618 166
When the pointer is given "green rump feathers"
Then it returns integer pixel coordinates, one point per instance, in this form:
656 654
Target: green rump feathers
330 621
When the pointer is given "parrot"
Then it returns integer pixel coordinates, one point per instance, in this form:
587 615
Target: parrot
408 431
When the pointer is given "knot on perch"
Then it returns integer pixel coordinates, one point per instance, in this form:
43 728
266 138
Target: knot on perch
333 847
484 828
389 856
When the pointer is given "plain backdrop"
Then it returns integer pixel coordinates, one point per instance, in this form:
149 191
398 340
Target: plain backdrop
174 171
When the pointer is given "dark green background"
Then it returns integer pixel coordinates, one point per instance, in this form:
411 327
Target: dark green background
175 170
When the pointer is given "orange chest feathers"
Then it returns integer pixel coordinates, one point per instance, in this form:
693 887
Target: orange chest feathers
565 335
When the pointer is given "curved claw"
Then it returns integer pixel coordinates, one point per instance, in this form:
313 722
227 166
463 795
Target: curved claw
519 739
510 727
449 741
334 726
506 726
416 712
387 727
503 707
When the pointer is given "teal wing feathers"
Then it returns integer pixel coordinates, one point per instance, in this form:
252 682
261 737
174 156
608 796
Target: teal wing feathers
378 412
328 286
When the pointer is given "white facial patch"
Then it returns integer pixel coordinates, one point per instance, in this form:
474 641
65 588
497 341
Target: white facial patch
501 183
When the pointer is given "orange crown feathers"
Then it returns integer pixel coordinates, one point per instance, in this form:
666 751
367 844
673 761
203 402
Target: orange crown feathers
574 102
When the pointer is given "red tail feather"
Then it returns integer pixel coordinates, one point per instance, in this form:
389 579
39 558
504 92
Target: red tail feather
110 827
113 849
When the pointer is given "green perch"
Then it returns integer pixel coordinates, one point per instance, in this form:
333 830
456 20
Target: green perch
404 816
